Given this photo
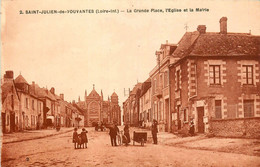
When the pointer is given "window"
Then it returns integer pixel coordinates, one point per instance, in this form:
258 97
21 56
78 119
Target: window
12 101
185 115
161 81
40 107
218 113
166 81
178 80
154 87
33 104
7 120
214 74
248 74
26 103
248 108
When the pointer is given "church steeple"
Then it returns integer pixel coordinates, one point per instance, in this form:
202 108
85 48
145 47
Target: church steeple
79 99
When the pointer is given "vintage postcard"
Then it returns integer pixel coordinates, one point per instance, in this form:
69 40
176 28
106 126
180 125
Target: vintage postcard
130 83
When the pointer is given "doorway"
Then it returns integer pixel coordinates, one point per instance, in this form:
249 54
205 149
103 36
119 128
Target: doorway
3 123
12 122
201 126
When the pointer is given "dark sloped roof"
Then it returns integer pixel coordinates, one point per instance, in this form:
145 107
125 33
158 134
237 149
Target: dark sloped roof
185 43
6 88
145 86
20 79
135 89
217 44
226 45
43 92
81 111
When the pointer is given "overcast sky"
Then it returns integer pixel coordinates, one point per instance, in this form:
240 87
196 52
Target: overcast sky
71 52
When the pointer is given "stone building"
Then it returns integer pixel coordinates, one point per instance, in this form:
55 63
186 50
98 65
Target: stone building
214 79
145 104
96 110
160 86
131 106
10 114
31 106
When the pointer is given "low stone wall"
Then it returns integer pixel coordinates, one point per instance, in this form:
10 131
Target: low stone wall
239 127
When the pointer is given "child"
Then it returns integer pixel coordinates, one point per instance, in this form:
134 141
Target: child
79 141
84 138
75 138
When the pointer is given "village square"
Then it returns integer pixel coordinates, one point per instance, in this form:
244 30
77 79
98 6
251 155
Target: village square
130 83
200 106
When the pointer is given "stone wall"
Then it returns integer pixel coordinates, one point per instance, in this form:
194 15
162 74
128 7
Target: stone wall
239 127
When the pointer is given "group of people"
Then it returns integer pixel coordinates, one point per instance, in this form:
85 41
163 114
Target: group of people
117 137
116 134
80 140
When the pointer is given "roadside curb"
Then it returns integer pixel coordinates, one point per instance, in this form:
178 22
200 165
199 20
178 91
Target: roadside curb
34 138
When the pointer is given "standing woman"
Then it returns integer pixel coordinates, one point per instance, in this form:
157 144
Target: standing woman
127 134
192 128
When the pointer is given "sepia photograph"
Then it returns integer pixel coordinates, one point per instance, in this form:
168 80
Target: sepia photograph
130 83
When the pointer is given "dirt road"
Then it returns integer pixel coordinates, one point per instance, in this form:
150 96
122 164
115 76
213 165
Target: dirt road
58 151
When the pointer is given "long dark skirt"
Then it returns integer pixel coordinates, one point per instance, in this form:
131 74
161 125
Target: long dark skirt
128 137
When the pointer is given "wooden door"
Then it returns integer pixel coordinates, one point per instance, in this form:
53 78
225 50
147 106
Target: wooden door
201 127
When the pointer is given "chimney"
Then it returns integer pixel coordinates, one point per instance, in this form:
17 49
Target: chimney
223 25
62 96
201 29
52 90
9 74
33 87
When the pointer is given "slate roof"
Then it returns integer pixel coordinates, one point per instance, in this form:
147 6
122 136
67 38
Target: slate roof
227 45
135 89
79 109
6 88
43 92
20 79
217 44
145 86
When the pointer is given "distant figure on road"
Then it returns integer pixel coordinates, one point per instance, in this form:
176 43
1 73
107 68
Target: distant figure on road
75 138
84 138
192 127
154 131
113 132
127 134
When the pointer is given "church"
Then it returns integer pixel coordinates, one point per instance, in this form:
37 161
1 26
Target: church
97 110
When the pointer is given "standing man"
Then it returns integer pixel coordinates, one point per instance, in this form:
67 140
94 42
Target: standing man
113 132
154 131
